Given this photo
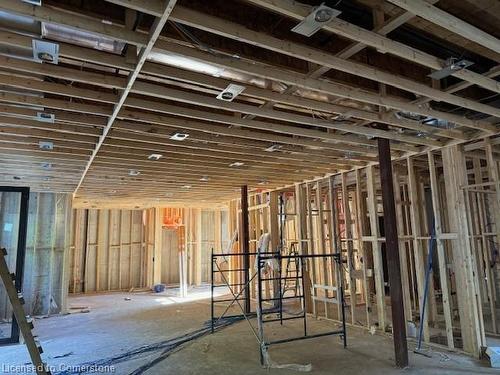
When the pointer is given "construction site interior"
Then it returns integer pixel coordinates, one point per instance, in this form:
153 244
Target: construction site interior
249 186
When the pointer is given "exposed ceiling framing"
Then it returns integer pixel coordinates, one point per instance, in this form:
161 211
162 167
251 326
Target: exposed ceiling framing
311 106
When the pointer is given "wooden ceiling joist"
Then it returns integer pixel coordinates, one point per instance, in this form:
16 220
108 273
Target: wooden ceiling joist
327 87
119 83
376 40
450 22
143 55
113 111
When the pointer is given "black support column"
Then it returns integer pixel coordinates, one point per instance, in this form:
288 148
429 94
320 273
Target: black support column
245 245
392 252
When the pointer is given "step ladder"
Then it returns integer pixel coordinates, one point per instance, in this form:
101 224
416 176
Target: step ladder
17 302
292 276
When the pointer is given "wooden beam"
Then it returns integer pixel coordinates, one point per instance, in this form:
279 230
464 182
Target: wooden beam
58 17
328 87
450 22
443 261
231 30
153 7
471 319
143 55
375 39
378 270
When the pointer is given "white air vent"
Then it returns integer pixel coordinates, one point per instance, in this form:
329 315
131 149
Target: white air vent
230 92
179 136
45 51
273 148
33 2
45 117
155 157
205 179
318 18
237 164
133 172
44 145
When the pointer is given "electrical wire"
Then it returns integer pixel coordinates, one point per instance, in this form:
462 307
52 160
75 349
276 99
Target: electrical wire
166 347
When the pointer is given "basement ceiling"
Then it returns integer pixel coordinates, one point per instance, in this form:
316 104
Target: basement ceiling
130 111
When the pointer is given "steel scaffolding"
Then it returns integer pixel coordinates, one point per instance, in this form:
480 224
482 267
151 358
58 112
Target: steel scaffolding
273 260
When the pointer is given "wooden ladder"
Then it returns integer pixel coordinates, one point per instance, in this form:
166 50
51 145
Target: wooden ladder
17 301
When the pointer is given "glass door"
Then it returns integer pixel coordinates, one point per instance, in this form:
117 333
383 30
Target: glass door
13 225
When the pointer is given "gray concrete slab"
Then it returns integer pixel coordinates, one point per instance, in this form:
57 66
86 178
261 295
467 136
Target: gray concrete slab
121 323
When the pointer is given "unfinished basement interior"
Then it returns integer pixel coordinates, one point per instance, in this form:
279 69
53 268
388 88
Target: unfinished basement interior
249 187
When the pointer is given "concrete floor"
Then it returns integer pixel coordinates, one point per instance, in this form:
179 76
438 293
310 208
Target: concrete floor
121 323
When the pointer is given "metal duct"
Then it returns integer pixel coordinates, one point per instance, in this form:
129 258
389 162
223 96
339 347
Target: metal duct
81 38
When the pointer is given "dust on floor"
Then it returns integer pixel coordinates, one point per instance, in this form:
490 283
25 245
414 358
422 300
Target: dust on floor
135 333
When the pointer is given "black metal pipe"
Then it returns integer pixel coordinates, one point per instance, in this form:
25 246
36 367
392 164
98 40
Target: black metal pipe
281 319
245 245
21 253
331 333
259 309
392 251
233 254
85 250
304 308
264 257
212 306
342 300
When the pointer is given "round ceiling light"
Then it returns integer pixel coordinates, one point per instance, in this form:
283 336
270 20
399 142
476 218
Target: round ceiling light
323 15
45 56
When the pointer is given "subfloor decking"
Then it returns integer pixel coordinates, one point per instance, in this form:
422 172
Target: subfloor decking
119 323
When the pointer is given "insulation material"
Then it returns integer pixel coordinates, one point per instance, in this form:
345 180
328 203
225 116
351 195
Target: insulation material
47 248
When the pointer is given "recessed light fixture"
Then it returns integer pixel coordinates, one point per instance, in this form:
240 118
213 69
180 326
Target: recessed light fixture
230 92
45 51
186 186
46 166
113 191
47 178
273 147
133 172
205 178
44 145
155 157
169 195
236 164
178 136
45 117
450 66
33 2
316 20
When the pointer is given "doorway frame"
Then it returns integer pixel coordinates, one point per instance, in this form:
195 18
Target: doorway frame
21 253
